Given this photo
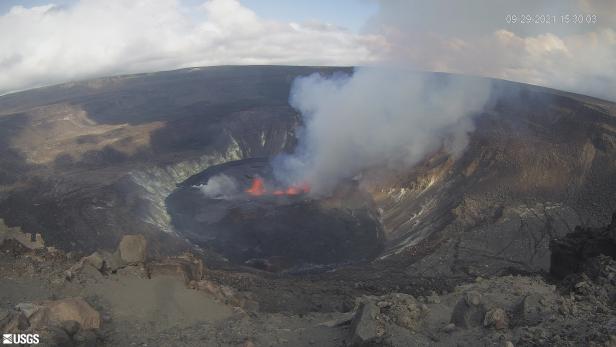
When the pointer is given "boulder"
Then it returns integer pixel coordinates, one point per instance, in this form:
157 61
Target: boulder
90 267
14 322
472 298
85 338
531 311
95 260
403 310
27 308
69 275
83 271
495 317
69 309
101 262
53 336
365 328
70 326
113 261
132 249
469 311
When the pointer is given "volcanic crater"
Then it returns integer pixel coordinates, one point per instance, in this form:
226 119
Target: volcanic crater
251 219
538 163
154 197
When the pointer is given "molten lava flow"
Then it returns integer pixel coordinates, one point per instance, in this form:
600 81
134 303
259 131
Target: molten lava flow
257 188
302 188
298 189
292 190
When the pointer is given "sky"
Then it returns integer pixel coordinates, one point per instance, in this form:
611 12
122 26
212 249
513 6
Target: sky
350 14
45 42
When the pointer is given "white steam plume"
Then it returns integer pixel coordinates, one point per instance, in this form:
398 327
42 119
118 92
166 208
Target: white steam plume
219 187
376 117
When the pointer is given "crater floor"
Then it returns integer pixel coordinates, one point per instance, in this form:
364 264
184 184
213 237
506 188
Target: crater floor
274 232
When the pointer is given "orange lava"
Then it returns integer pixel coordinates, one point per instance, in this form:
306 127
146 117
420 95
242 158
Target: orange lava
298 189
257 188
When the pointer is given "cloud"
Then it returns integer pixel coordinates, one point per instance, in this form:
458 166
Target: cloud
606 10
473 37
51 44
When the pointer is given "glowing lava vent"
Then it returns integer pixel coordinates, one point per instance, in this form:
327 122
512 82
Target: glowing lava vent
257 188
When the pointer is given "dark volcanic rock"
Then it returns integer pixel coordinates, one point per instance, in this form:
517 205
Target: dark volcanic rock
14 322
85 338
571 252
469 311
54 336
531 311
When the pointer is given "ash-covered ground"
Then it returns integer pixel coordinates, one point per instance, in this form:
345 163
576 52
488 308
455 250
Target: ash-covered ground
467 249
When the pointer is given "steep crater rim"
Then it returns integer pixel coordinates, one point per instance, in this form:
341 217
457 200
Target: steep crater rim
274 230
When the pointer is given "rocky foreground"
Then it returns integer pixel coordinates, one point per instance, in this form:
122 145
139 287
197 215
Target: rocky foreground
119 297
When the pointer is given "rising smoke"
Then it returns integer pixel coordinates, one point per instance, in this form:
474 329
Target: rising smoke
376 118
219 187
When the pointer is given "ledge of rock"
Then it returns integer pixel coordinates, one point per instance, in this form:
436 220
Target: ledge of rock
570 252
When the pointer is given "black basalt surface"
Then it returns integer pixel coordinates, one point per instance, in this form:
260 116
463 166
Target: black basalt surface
570 253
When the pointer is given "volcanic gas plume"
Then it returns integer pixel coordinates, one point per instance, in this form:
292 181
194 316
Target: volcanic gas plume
376 118
219 187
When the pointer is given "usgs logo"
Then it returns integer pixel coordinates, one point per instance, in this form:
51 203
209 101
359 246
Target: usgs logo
30 339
